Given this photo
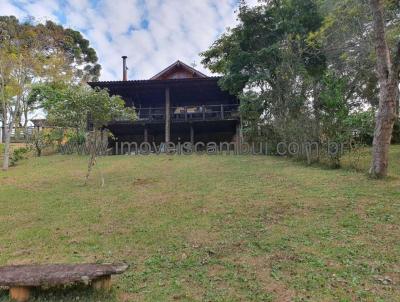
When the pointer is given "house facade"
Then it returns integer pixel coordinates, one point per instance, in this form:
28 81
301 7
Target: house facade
179 104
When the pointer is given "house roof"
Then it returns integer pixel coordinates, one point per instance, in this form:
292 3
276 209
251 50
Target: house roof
161 83
178 65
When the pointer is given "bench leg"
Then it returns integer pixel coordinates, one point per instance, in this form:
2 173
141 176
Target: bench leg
19 293
102 283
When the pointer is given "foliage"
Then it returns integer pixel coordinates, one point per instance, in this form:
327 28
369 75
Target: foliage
362 123
81 107
396 132
18 155
63 52
300 68
74 105
267 61
253 53
334 111
34 53
76 50
42 139
76 137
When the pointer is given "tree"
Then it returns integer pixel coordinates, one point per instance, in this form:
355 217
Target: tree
32 53
278 59
20 60
76 104
267 61
387 68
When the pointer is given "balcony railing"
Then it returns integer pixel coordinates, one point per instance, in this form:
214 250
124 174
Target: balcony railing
190 113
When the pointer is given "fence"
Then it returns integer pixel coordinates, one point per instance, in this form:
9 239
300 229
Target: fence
18 134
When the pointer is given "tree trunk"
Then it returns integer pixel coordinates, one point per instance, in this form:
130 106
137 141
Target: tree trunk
26 120
388 83
6 155
317 115
383 131
92 155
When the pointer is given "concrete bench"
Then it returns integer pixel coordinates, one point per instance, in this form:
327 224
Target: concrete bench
22 278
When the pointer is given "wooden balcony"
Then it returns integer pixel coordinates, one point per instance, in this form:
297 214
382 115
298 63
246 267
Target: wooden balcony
189 113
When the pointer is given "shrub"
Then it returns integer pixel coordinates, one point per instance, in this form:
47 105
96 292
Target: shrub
76 137
362 123
18 154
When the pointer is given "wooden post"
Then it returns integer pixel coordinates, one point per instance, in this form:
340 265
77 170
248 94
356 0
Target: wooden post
145 134
102 283
238 140
167 115
19 293
191 134
186 117
222 112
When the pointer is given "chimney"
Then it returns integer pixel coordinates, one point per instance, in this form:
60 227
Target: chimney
124 69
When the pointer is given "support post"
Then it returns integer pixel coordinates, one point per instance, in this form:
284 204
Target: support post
19 293
204 112
102 283
186 117
191 135
222 112
167 115
238 140
145 134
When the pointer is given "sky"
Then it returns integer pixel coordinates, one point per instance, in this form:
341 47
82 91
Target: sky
152 33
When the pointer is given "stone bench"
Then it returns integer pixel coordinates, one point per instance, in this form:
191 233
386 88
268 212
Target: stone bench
22 278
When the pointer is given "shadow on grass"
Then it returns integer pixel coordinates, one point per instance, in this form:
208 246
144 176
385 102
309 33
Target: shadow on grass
80 293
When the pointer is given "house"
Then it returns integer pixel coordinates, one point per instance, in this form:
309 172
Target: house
179 104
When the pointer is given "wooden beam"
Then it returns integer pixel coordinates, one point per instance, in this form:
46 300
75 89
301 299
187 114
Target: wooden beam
20 293
191 134
167 115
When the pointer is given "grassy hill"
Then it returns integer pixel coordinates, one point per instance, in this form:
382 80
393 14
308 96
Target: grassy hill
208 228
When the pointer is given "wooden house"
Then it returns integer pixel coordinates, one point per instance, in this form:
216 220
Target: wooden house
179 104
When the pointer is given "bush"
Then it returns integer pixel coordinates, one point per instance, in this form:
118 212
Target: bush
46 139
362 123
76 137
18 154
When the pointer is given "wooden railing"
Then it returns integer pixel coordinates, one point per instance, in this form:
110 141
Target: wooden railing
190 113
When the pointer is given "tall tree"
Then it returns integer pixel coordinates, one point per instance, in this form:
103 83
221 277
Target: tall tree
267 61
387 68
19 63
32 53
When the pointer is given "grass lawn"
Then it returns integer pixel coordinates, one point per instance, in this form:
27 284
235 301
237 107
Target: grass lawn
208 228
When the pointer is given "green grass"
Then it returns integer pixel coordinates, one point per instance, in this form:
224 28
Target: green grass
208 228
